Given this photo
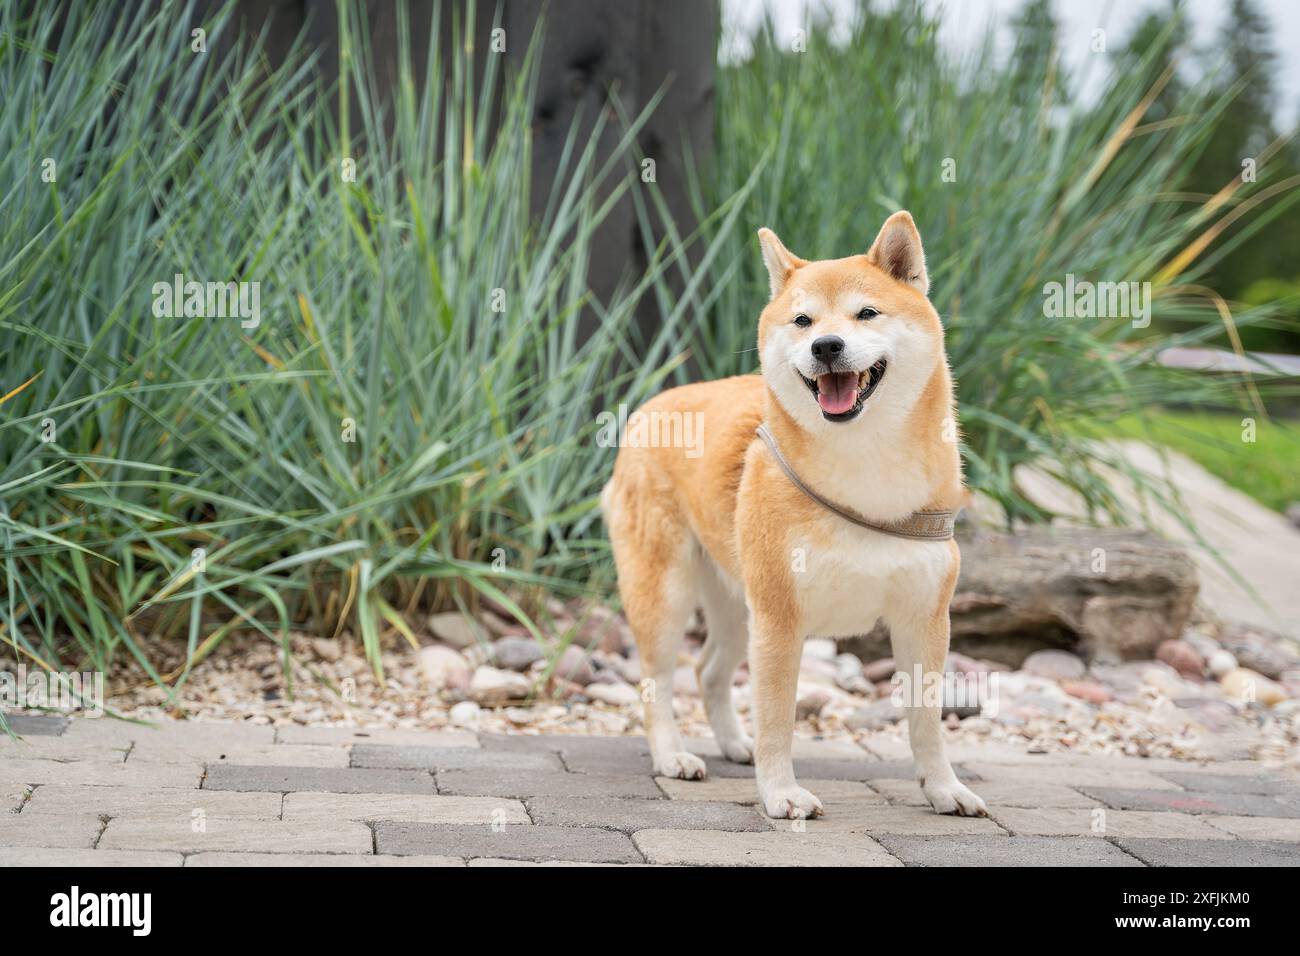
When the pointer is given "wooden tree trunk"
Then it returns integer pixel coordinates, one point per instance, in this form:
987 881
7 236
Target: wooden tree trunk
595 52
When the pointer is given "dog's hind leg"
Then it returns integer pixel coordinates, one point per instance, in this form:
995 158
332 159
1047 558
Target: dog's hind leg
656 559
658 620
725 616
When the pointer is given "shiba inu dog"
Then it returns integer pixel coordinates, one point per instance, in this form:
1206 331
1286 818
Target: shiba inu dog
838 515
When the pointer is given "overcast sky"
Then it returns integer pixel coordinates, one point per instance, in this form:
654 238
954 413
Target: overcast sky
965 21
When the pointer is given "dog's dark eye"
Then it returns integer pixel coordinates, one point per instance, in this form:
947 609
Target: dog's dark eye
802 321
868 313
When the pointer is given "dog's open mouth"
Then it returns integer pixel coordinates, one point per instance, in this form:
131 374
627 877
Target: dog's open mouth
841 394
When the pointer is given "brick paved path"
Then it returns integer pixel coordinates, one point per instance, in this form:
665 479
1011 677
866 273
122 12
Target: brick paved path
104 792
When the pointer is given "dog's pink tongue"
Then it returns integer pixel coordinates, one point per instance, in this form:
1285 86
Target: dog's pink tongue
837 392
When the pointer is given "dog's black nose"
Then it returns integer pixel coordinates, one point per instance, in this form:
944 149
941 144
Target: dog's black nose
828 348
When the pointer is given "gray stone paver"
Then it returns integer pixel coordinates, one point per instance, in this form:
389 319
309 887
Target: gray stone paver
1076 775
103 773
88 792
153 750
904 770
185 733
631 814
325 779
386 736
1240 768
72 831
598 755
494 861
564 743
829 750
605 760
59 799
1063 821
531 783
1259 828
254 836
773 848
556 742
1005 851
1181 801
534 842
451 758
65 749
324 808
1157 852
1202 782
60 857
315 859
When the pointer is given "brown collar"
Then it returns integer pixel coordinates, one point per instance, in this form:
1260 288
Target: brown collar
919 525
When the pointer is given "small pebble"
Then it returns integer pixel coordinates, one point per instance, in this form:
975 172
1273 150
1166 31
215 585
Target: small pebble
1054 665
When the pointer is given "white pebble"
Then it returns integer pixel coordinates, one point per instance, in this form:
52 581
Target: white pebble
465 714
1221 662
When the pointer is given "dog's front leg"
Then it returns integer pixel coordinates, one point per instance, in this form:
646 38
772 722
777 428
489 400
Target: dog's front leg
775 647
920 645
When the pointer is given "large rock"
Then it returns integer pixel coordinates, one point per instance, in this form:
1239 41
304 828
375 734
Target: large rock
1119 594
1108 595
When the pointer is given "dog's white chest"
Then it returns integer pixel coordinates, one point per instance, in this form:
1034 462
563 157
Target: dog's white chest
863 575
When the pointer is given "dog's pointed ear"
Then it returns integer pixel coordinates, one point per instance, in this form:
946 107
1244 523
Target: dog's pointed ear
898 251
780 261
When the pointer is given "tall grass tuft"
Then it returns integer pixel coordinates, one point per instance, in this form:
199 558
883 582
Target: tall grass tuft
410 424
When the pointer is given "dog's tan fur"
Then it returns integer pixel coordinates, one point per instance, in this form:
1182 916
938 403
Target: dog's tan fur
719 529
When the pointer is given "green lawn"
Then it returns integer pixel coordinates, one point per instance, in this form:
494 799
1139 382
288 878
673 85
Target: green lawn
1267 469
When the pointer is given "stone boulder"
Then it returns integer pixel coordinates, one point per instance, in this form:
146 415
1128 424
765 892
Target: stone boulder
1108 595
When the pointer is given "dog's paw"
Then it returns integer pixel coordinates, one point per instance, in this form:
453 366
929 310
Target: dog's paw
954 797
681 765
738 749
791 803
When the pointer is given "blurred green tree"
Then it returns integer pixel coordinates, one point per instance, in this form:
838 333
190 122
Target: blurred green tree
1260 267
1243 144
